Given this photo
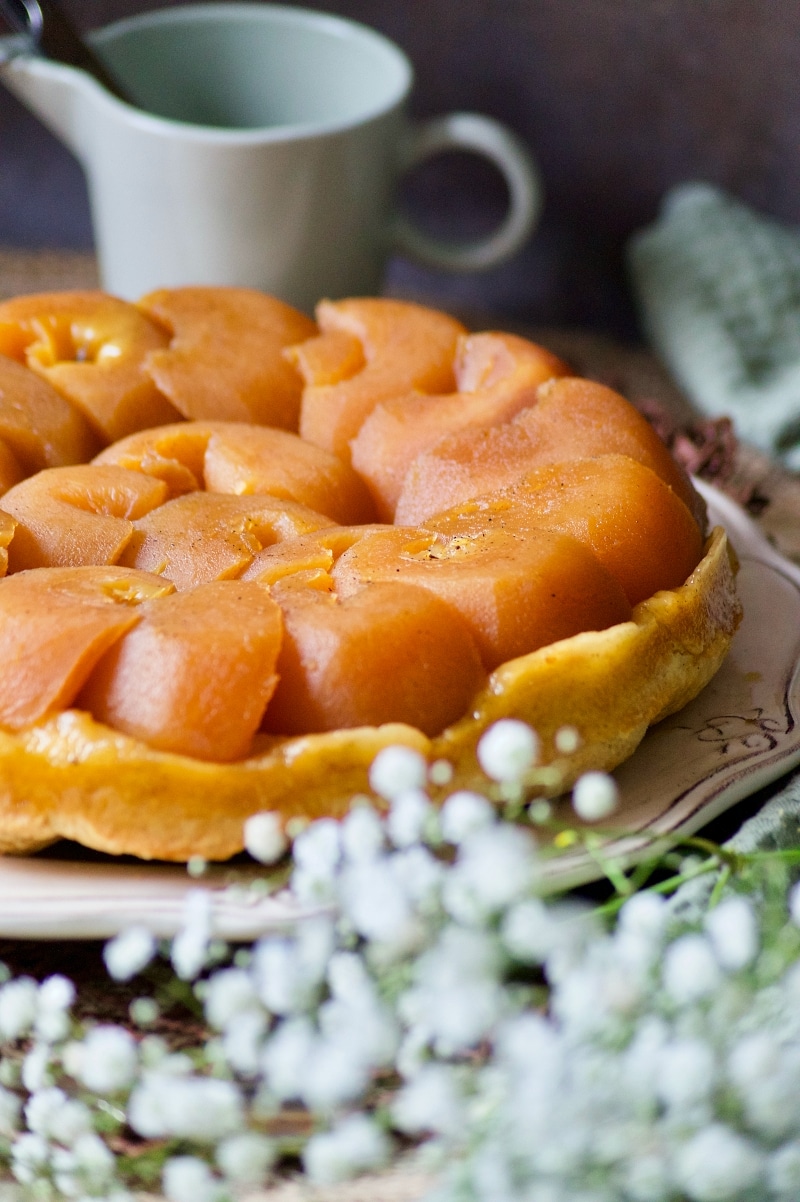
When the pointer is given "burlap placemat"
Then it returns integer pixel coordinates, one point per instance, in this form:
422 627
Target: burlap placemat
45 271
772 495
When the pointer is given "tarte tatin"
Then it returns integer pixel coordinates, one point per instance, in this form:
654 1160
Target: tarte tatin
244 551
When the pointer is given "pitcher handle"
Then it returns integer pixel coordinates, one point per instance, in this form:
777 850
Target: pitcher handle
487 137
14 45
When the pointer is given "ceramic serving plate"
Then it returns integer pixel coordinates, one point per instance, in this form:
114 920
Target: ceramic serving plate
740 734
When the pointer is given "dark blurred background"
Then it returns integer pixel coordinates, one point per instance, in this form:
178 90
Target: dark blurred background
618 100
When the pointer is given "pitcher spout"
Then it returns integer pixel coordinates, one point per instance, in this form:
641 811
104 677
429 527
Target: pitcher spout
55 93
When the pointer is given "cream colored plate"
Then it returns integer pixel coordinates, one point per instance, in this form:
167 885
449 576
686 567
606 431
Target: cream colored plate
42 898
740 734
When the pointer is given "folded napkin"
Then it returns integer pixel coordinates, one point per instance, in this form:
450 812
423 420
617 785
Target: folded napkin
776 825
718 288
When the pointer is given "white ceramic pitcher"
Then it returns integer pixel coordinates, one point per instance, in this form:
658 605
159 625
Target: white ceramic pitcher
265 151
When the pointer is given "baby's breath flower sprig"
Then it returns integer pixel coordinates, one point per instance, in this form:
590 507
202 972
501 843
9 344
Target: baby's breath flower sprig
533 1046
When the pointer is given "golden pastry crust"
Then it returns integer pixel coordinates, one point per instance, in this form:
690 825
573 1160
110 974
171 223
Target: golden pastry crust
218 509
91 347
70 777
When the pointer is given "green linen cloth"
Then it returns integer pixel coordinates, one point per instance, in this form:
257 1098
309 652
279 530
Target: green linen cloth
776 825
718 288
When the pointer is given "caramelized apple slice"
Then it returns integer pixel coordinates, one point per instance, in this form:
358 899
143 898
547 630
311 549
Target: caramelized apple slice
55 624
225 358
497 375
91 347
11 470
196 673
173 453
70 516
404 347
245 460
37 424
572 419
315 552
7 528
254 461
515 593
330 358
389 653
209 536
576 418
635 525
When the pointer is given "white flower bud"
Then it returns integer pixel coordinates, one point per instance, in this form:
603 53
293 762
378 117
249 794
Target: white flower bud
349 980
441 772
52 1026
129 952
230 993
356 1145
189 1179
315 942
690 969
144 1011
94 1160
264 837
41 1108
567 740
643 914
783 1172
56 994
189 952
110 1060
246 1157
336 1073
286 1056
70 1122
279 977
496 867
764 1070
595 796
153 1051
30 1154
243 1042
457 996
10 1108
430 1103
36 1072
318 848
395 770
362 835
203 1109
647 1178
419 874
528 931
686 1072
463 813
407 817
375 903
733 930
717 1164
18 1005
508 749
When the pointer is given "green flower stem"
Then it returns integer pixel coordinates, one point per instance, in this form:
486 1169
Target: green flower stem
669 885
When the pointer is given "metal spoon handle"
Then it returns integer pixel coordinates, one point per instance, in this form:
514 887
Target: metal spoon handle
24 16
55 37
